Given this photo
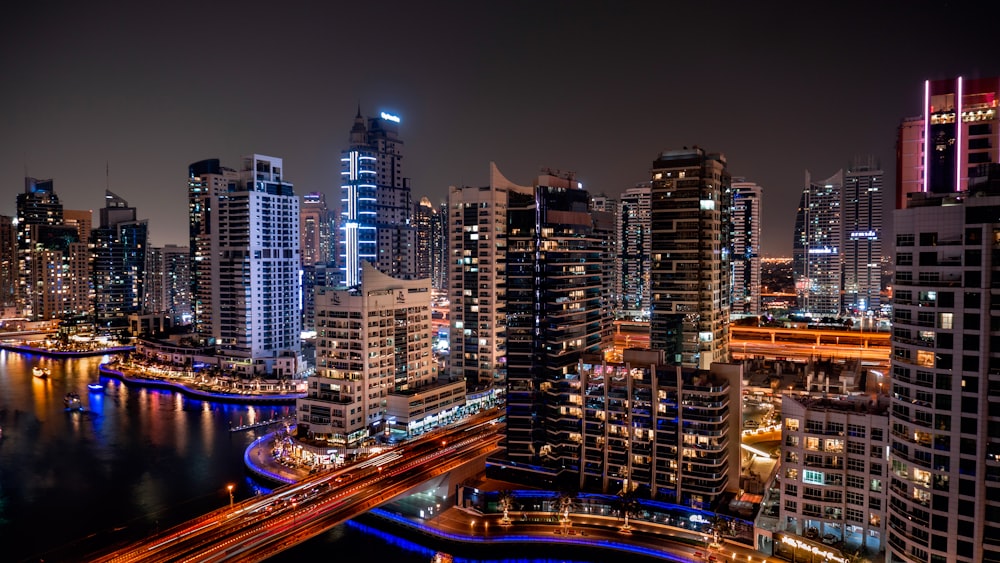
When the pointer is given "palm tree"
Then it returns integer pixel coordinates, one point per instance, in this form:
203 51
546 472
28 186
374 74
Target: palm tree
720 527
564 501
628 504
505 500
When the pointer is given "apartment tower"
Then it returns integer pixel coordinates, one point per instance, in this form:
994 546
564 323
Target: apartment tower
690 253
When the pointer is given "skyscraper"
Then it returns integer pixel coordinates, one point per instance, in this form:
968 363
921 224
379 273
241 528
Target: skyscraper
170 283
8 262
477 223
245 229
689 282
861 210
375 206
207 181
53 260
958 130
747 202
423 220
315 229
633 259
557 310
944 495
817 246
118 250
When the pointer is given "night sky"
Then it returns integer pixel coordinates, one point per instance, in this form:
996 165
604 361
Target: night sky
142 89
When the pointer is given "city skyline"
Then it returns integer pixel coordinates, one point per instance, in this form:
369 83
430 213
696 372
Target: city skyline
110 97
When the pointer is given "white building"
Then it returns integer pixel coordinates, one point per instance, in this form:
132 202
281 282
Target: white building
252 252
833 475
817 246
374 368
944 498
477 231
862 239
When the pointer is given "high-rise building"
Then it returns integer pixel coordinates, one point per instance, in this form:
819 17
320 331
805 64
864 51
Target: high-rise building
315 229
375 206
633 257
119 254
53 260
439 248
689 281
351 398
663 429
861 210
944 460
423 220
958 130
477 223
169 286
8 262
557 310
245 229
747 201
817 246
207 181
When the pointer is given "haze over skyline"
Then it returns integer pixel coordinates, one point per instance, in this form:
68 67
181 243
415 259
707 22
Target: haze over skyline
600 89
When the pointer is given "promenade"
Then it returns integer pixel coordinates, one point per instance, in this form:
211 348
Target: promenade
455 527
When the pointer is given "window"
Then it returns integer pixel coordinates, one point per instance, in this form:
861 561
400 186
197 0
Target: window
855 482
791 490
857 448
792 424
855 430
857 499
813 477
854 464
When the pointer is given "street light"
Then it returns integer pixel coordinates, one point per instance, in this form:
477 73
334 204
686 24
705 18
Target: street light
229 488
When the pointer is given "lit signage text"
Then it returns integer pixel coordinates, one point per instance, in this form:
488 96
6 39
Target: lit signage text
864 234
824 250
390 117
826 555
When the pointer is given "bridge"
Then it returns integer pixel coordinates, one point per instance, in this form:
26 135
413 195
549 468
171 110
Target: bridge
258 528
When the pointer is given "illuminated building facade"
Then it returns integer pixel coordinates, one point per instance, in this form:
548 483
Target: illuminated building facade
477 288
834 475
689 278
119 257
54 274
314 225
944 460
375 203
350 397
557 311
8 263
632 262
817 246
957 132
245 240
746 219
666 430
861 209
170 283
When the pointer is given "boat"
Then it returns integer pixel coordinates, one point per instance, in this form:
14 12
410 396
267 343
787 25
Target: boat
73 402
38 371
95 386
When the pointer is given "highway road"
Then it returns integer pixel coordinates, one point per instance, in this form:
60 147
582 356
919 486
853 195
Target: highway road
260 527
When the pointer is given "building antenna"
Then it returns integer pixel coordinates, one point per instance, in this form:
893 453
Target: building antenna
107 175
